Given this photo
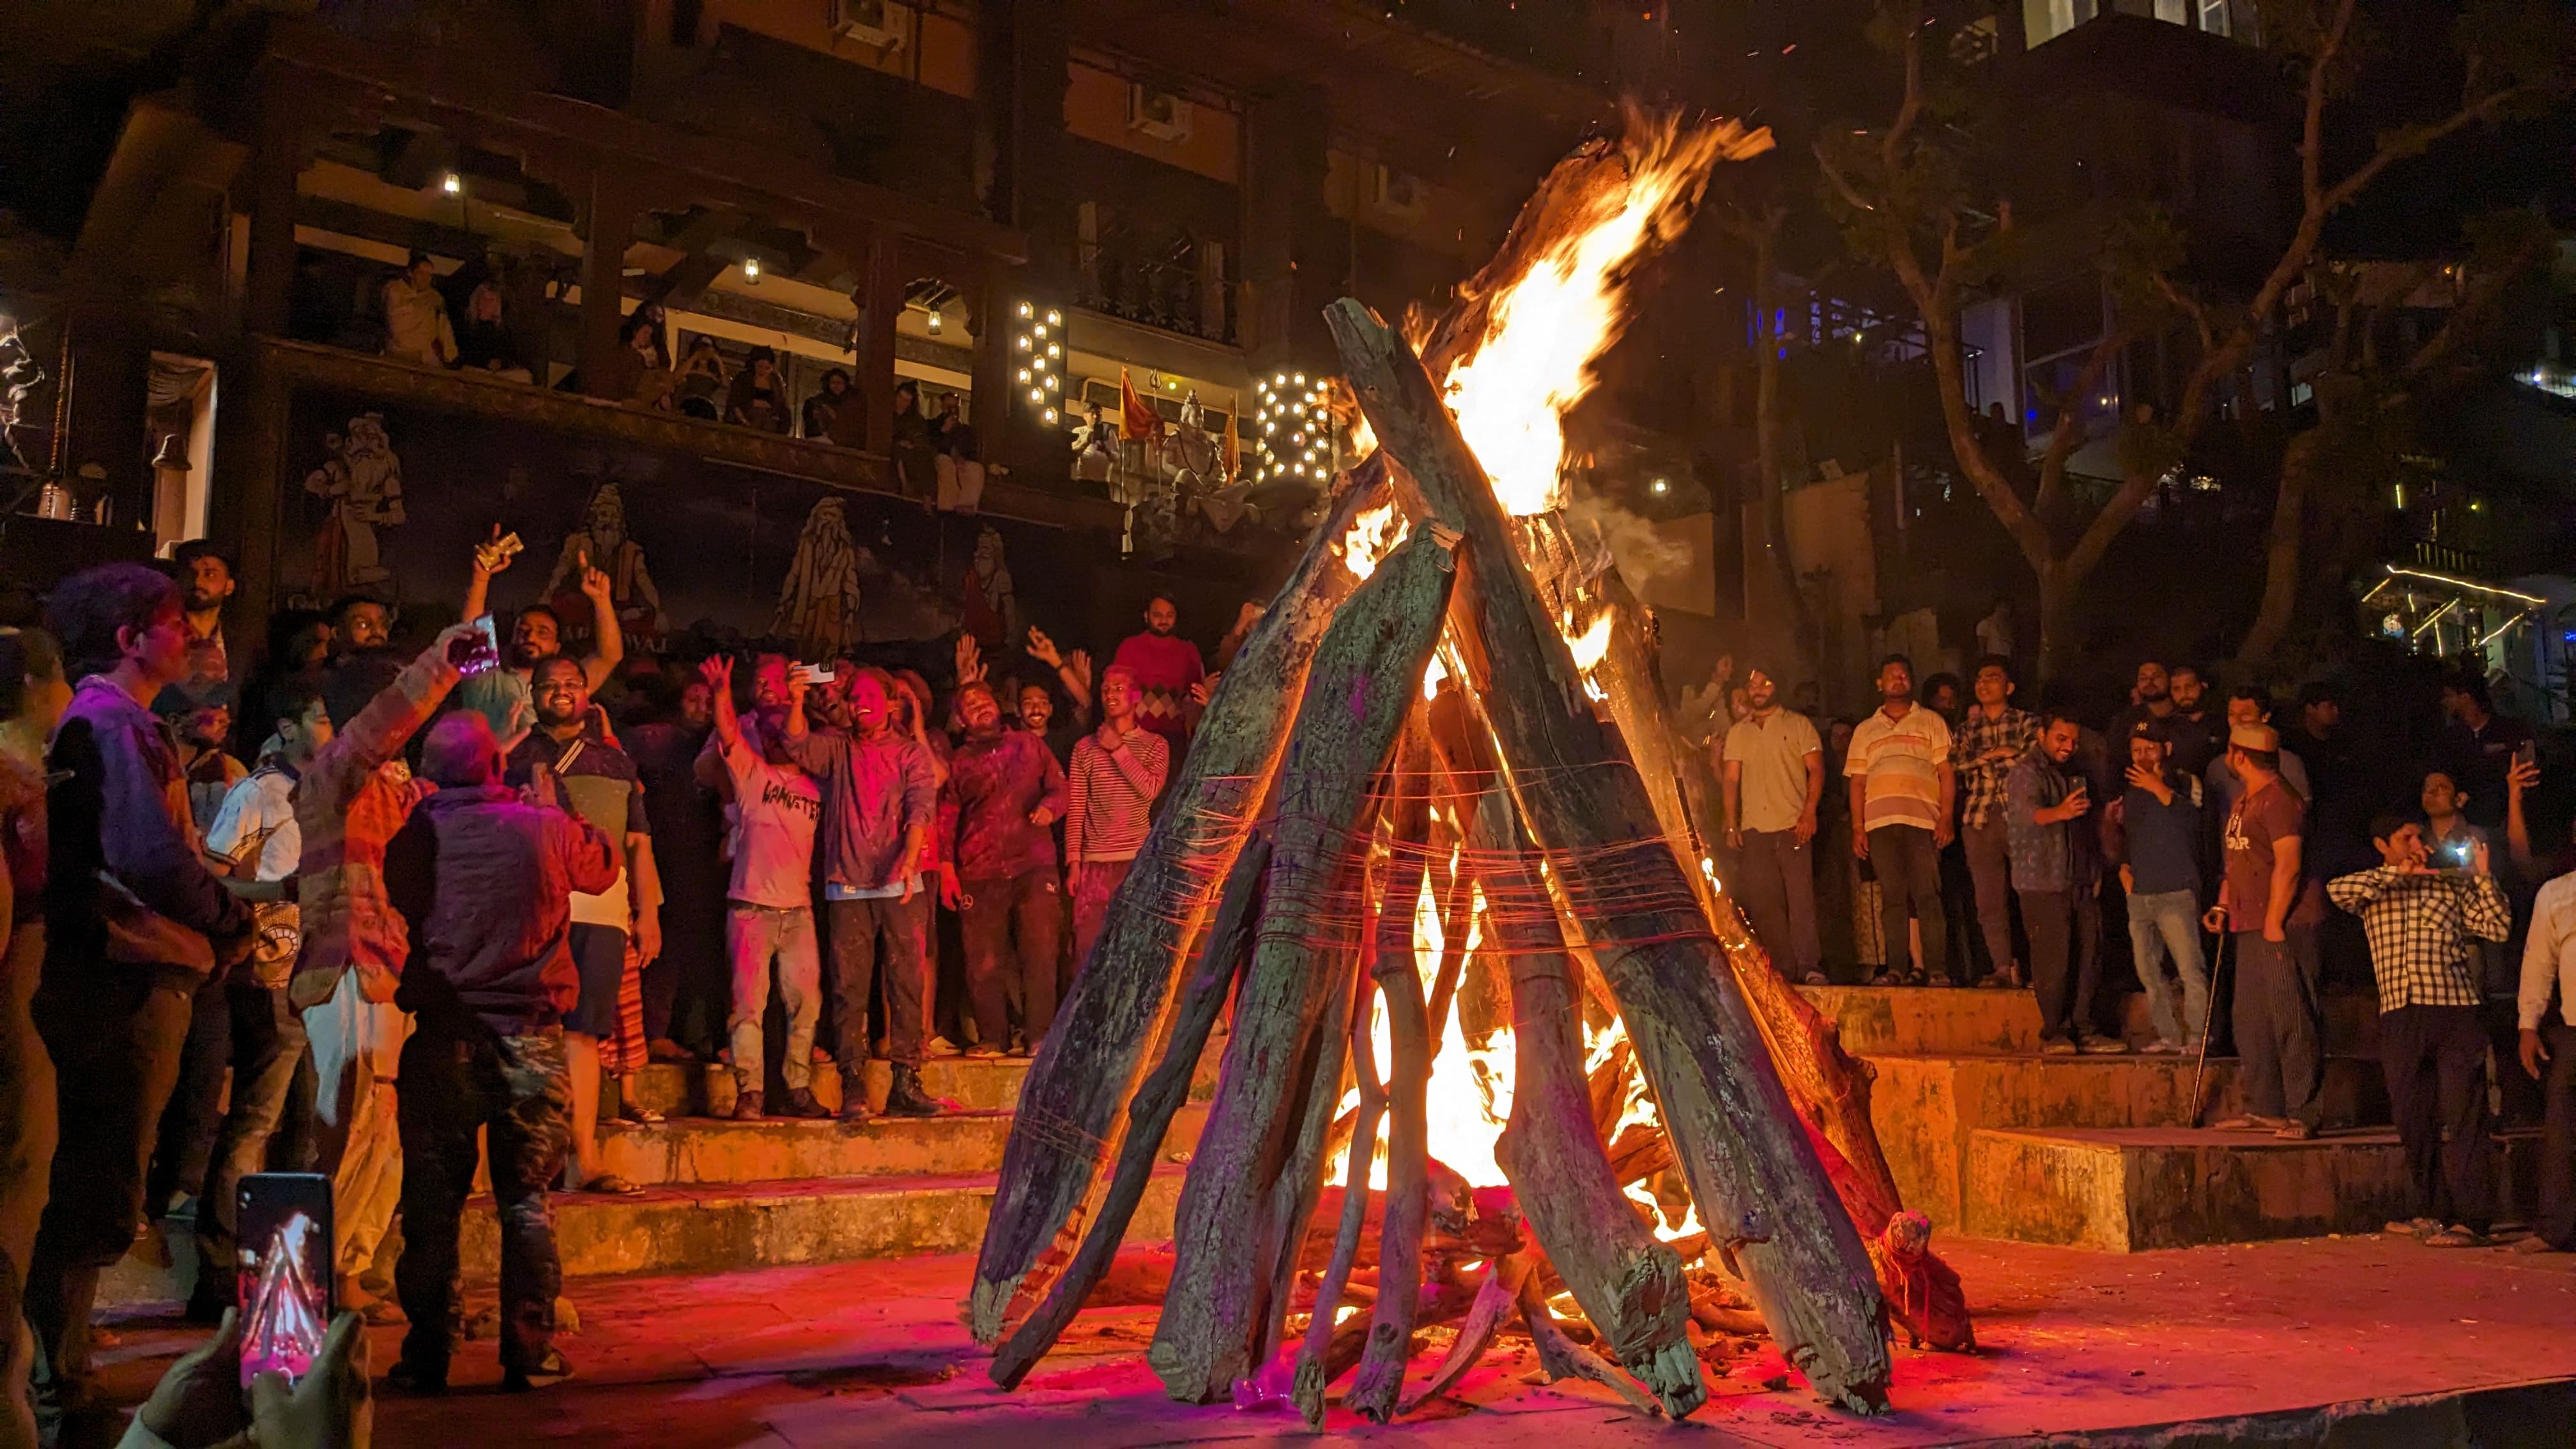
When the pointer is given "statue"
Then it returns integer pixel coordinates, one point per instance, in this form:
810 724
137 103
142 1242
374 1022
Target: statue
992 609
818 604
362 482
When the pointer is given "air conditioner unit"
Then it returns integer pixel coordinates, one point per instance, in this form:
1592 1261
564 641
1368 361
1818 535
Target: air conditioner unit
1159 114
1400 193
881 23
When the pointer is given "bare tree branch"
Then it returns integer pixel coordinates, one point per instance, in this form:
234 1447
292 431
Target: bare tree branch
2070 409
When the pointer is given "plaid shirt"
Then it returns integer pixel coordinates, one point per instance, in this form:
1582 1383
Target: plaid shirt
2420 926
1981 785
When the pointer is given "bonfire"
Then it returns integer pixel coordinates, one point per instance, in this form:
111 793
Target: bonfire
1432 819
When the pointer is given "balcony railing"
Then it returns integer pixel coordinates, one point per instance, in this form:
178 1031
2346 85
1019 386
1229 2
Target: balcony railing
1174 295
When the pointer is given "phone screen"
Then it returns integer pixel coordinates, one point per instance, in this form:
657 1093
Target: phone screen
479 653
284 1279
2527 753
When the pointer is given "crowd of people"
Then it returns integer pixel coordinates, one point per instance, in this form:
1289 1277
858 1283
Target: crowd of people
1979 843
426 907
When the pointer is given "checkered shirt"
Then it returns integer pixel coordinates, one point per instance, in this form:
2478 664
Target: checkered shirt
2420 927
1981 786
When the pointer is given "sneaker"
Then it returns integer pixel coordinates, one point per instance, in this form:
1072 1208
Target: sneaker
800 1103
940 1046
2535 1243
553 1368
2411 1227
906 1098
2457 1235
2104 1046
2057 1048
747 1105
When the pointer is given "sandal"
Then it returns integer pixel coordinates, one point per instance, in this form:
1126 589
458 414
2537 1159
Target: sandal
609 1184
638 1113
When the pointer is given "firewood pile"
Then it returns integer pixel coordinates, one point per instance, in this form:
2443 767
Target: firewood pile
1531 803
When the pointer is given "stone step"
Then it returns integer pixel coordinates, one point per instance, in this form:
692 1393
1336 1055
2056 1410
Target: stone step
980 1084
775 1224
698 1151
2127 1191
1946 1020
1928 1108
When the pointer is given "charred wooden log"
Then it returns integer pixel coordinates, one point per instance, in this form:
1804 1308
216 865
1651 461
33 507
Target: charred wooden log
1560 1357
1221 1310
1629 1284
1751 1169
1066 1122
1149 1116
1308 1391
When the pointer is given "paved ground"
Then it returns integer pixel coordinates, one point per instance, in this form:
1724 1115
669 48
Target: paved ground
871 1353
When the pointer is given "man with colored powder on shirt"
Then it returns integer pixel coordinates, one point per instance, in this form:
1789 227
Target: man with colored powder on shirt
1005 792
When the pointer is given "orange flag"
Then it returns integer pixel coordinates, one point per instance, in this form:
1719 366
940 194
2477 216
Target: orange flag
1233 448
1137 419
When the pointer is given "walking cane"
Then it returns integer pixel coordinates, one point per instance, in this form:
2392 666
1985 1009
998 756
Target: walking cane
2208 1022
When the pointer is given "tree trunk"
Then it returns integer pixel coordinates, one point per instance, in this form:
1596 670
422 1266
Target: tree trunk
2281 554
1754 1174
2056 607
1067 1119
1149 1116
1220 1311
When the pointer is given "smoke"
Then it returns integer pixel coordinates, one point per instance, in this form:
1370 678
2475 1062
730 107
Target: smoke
1627 539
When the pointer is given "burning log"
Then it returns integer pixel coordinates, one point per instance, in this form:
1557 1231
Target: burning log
1308 1392
1220 1310
1494 1303
1560 1357
1221 959
1408 1168
1629 1284
1751 1169
1068 1106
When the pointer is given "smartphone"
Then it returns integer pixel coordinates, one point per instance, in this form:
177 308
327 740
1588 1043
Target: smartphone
814 673
2456 852
2527 754
283 1273
479 652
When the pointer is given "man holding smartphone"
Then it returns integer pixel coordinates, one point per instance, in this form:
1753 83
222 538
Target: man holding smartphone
2425 918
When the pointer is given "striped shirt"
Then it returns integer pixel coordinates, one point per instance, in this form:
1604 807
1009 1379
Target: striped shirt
1111 795
1900 760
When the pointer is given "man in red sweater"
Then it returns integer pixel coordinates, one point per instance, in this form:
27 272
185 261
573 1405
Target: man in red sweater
1167 671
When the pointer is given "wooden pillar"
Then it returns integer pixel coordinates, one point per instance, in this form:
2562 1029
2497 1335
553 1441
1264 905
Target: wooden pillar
1291 265
276 159
880 308
246 503
603 284
997 287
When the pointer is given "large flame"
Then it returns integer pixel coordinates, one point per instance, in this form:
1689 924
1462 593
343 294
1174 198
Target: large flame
1546 330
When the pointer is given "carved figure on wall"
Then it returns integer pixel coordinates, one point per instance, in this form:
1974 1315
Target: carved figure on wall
992 607
818 605
604 542
362 483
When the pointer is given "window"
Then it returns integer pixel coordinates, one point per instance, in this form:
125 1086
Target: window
2214 17
2174 12
2045 20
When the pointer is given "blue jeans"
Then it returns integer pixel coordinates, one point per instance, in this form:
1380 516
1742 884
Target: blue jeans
2162 924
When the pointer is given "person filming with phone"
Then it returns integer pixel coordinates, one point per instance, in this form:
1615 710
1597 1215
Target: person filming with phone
2425 915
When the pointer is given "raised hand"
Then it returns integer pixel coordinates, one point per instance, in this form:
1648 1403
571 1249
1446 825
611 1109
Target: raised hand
594 584
491 556
1079 661
970 660
1043 650
717 671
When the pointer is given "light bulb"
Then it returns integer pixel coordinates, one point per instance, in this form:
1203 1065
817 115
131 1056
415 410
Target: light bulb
1661 487
1024 374
934 324
1052 349
1054 318
1024 344
1039 329
1050 415
1025 309
452 184
751 269
1037 395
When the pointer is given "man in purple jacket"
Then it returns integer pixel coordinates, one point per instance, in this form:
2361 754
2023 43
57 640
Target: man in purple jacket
485 878
1005 791
136 923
